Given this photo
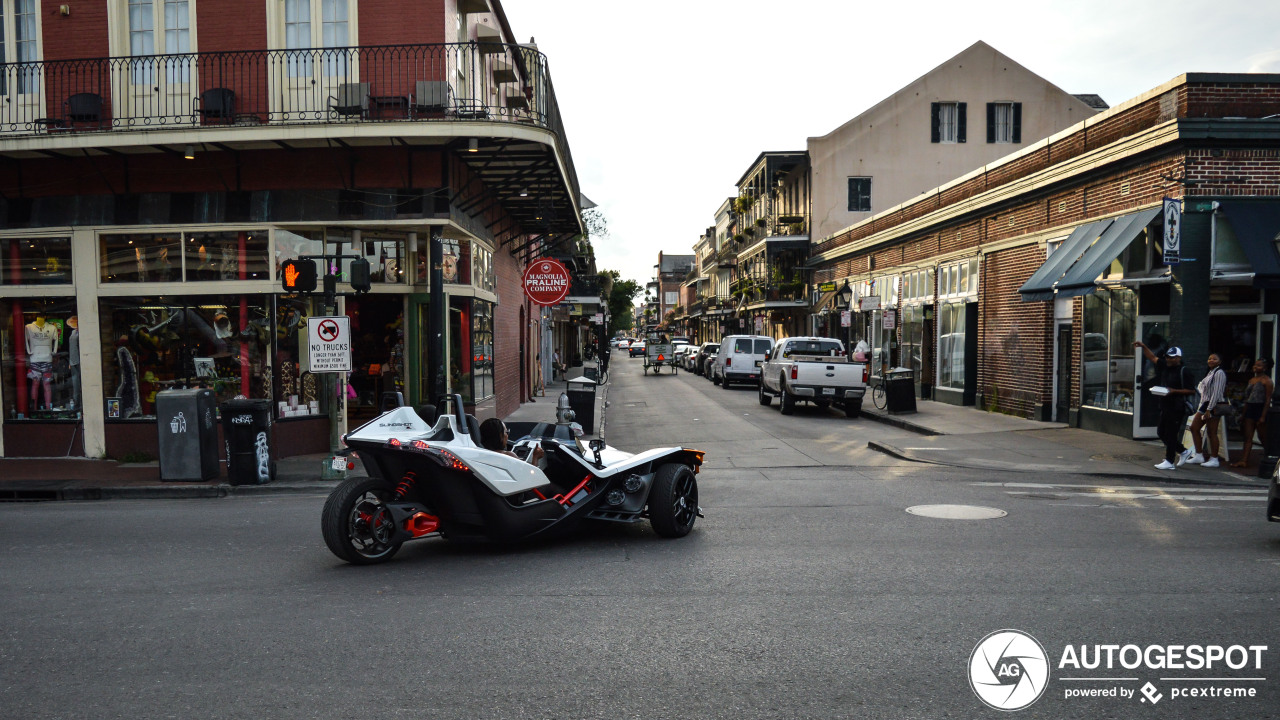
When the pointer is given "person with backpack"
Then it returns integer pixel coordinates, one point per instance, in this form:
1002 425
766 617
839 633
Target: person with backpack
1180 386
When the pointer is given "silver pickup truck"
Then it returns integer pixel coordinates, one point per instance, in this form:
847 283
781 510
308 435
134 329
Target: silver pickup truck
815 370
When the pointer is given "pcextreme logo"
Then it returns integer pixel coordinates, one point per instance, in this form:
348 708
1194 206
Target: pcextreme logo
1009 670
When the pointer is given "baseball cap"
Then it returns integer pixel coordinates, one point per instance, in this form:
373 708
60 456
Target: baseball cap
1173 352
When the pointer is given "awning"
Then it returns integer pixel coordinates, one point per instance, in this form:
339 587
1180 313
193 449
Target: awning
1040 285
1256 226
1079 279
826 301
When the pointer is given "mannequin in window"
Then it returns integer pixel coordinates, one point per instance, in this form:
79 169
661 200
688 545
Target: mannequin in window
42 343
130 402
73 359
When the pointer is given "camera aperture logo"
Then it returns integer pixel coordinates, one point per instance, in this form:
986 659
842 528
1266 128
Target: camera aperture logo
1008 670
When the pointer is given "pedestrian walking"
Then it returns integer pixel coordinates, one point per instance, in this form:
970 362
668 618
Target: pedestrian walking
1178 387
1208 413
1257 398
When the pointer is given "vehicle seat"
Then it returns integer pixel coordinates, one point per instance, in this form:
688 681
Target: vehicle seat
428 413
473 427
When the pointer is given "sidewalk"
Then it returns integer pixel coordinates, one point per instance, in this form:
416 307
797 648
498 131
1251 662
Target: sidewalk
971 438
36 479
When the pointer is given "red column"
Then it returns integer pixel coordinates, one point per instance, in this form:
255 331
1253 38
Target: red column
19 330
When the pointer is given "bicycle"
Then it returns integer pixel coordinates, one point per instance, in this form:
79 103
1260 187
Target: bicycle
878 396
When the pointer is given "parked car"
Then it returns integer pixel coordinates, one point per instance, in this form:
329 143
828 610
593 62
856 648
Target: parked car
739 359
1273 496
705 354
816 370
685 355
636 348
624 343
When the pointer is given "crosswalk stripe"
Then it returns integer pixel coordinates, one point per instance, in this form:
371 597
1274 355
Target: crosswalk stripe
1160 489
1150 496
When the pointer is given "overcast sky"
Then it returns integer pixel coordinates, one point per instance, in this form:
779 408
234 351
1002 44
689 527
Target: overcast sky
667 104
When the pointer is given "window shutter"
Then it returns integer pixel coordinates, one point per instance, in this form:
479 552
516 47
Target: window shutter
960 121
991 122
933 112
1017 122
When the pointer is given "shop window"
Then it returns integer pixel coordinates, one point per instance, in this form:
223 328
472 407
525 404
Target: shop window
1227 252
39 358
35 261
482 349
460 346
913 339
377 325
293 244
387 256
456 261
482 268
951 331
1107 351
236 255
222 342
141 258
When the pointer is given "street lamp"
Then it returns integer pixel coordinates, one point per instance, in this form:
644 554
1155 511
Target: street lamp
845 296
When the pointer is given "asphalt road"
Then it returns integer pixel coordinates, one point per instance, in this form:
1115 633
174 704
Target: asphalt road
807 591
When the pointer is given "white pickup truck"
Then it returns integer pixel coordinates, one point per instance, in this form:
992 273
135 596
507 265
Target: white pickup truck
815 370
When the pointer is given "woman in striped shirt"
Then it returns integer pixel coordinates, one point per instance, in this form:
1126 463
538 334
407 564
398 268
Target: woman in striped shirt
1211 389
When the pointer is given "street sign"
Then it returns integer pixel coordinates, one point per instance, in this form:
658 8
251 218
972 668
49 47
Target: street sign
871 302
329 344
827 287
1172 231
845 318
546 282
598 318
890 319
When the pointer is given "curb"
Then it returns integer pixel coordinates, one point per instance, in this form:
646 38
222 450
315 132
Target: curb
899 422
892 451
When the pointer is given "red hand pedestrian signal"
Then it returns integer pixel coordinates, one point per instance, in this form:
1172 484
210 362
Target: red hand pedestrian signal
298 276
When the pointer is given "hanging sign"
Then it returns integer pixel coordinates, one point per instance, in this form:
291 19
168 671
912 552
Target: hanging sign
871 302
827 287
546 282
329 344
1172 231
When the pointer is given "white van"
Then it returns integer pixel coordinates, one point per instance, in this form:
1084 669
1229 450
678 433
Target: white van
740 358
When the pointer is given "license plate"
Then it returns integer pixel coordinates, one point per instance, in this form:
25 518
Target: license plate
759 363
828 391
339 463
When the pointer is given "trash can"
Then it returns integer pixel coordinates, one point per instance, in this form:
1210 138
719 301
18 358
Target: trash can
188 435
251 452
582 399
900 391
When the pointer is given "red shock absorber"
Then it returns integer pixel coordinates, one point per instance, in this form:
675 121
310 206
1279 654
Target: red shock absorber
406 484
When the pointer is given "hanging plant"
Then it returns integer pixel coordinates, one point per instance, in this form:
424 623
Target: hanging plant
751 232
738 237
760 222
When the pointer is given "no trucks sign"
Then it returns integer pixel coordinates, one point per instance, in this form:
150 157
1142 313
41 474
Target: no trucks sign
329 344
546 282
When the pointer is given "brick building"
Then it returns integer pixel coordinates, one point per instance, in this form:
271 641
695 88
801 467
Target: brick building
163 157
1021 286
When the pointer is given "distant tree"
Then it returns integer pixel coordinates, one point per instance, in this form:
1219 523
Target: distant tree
595 222
621 299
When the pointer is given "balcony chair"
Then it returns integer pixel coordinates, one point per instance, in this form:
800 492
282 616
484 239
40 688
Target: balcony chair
430 97
352 100
216 105
82 108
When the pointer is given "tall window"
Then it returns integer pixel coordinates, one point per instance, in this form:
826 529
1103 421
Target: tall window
317 24
1004 122
948 122
171 36
18 45
859 194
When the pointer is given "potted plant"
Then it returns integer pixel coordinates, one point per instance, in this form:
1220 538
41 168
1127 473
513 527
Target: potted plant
760 222
750 232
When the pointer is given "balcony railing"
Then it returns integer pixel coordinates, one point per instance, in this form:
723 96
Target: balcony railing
388 83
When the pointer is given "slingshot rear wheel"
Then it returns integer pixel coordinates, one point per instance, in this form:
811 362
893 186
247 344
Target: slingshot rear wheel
356 523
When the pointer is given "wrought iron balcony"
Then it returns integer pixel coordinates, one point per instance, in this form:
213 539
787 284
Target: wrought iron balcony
475 81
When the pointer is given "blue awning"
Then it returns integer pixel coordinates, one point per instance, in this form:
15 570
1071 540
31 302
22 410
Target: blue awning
1040 285
1080 277
1256 225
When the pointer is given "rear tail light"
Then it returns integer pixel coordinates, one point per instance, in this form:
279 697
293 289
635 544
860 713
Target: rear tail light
728 362
793 372
866 374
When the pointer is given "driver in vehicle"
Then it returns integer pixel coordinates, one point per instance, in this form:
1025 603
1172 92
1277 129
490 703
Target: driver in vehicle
494 436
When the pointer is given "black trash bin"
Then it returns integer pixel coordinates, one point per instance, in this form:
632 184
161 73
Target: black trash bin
251 452
582 398
188 435
900 391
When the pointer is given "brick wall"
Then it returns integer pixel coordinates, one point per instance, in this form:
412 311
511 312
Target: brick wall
396 22
507 332
231 25
82 34
1015 342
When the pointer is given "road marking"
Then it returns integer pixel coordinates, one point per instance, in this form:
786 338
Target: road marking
1152 496
1124 488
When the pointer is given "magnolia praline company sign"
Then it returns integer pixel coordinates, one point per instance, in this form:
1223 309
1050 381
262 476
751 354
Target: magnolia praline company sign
546 282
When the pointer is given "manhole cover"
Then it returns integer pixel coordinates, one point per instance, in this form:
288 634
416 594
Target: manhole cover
1122 458
957 512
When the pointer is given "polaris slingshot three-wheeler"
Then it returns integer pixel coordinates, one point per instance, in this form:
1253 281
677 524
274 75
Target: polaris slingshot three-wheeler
429 476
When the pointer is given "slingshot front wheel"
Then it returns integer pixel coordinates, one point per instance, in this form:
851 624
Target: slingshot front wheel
673 503
356 523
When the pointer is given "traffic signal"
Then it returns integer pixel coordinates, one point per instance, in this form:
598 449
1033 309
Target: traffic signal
298 276
360 275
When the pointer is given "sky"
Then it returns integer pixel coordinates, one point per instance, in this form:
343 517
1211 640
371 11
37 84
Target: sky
666 105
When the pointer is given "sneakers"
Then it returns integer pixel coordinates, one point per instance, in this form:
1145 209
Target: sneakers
1195 459
1211 462
1166 465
